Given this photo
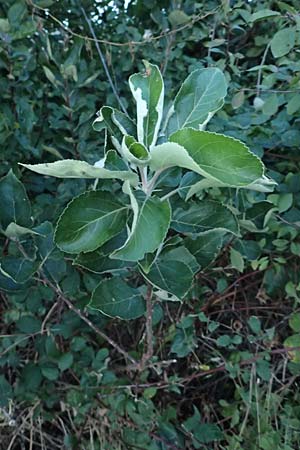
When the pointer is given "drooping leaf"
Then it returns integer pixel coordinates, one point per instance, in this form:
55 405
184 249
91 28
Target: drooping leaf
115 298
205 247
199 97
69 168
15 206
148 92
174 277
220 158
148 231
89 220
283 41
199 217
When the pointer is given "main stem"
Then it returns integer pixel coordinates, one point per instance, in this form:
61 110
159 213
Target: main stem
149 335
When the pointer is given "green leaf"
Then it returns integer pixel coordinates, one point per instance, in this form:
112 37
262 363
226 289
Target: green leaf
206 247
174 277
29 324
89 221
208 432
220 158
113 161
170 154
199 97
149 229
294 322
285 201
202 216
8 285
51 77
4 26
258 213
263 369
16 13
283 41
15 206
248 248
71 168
15 231
18 270
5 391
178 17
116 122
236 260
263 14
184 342
182 254
98 261
148 92
135 152
293 104
44 240
115 298
293 341
255 324
51 373
65 361
270 105
238 99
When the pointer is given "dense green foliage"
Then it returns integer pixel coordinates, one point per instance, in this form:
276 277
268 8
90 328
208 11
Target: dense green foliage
222 373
